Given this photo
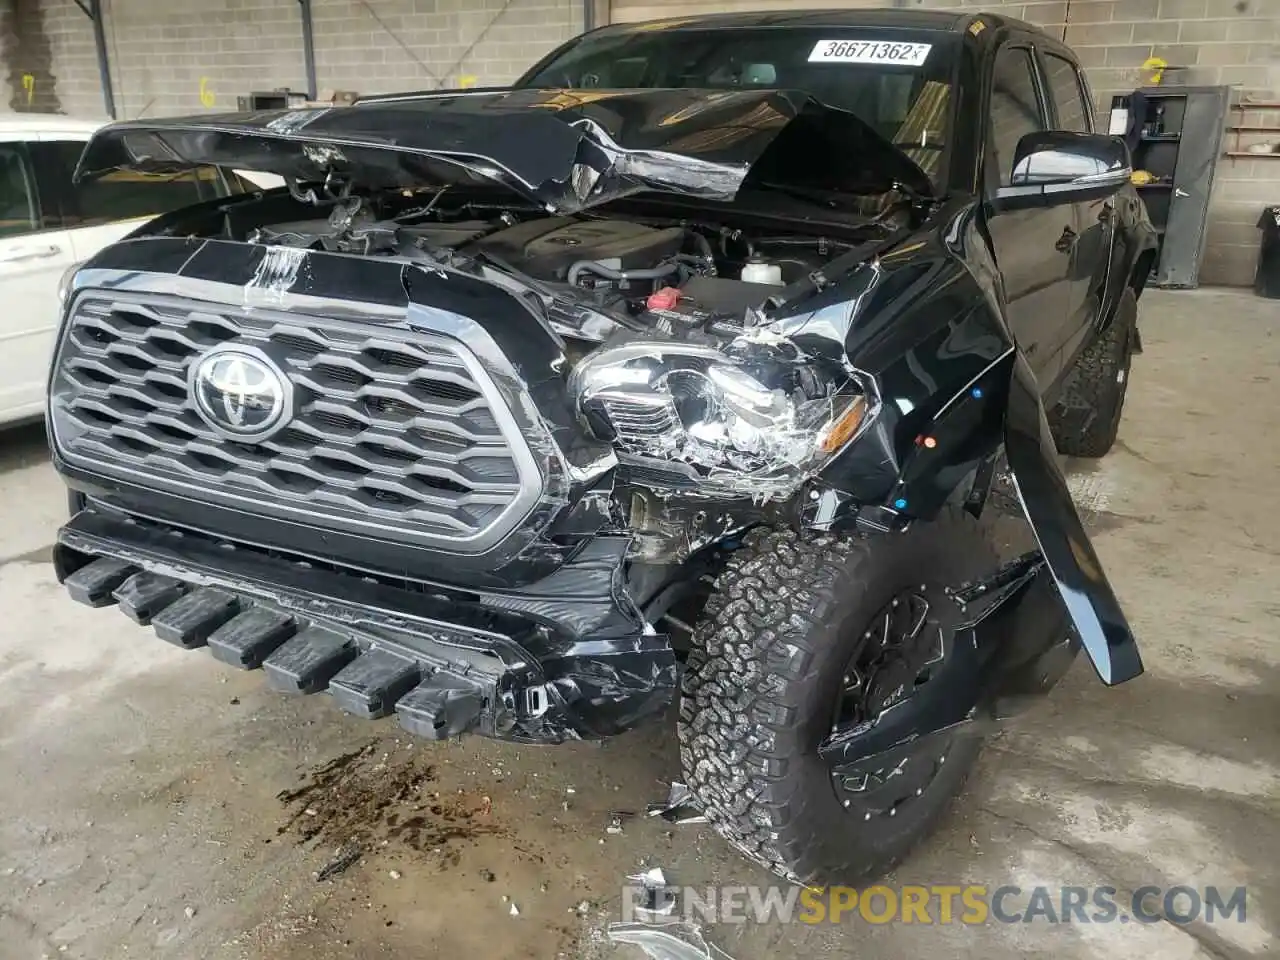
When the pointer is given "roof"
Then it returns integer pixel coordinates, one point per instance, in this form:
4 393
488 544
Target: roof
924 20
906 19
11 123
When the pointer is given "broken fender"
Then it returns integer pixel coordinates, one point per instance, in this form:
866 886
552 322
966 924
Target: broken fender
1103 630
1019 644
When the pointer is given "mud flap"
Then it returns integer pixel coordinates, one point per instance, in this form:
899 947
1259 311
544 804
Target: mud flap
1091 603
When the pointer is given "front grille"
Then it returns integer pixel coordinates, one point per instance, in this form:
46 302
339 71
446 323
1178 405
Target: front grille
402 435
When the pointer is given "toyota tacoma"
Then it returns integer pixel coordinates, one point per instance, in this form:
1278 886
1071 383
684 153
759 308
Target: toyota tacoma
695 366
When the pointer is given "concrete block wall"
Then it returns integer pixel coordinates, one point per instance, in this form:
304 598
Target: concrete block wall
183 56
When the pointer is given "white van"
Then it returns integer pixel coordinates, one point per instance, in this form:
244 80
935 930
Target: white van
47 224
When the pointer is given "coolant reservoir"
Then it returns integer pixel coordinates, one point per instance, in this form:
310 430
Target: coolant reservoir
757 270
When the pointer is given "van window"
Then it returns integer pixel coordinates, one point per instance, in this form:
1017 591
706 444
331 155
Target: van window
19 211
127 194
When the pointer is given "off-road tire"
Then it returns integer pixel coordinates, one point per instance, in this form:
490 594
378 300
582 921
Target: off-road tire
1086 418
763 676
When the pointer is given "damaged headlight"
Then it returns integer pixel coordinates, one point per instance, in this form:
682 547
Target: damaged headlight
754 418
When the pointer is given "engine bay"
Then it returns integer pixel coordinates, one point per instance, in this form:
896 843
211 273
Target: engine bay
666 318
594 271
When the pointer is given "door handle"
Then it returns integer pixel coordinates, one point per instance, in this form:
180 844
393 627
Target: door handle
1066 241
29 253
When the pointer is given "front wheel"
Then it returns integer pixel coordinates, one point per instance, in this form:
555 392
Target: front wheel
804 635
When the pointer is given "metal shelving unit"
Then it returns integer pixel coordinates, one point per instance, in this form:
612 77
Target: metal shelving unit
1239 129
1178 140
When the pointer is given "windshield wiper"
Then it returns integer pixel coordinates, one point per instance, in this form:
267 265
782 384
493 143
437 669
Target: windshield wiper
828 198
913 194
837 199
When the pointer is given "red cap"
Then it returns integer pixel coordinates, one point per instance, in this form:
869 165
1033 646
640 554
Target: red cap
664 299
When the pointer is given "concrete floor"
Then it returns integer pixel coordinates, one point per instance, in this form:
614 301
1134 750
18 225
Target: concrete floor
139 783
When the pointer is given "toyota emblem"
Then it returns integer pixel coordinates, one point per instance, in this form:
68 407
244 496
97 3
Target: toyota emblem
240 392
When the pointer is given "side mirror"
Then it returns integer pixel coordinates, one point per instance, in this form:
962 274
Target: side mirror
1057 167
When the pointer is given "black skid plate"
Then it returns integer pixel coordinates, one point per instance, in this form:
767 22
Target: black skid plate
436 691
445 660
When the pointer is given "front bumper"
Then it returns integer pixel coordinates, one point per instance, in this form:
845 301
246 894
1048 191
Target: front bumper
445 662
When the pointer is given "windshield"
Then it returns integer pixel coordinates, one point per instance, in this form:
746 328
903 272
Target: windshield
899 82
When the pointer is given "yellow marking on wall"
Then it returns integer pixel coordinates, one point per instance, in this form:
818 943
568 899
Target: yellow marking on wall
29 85
207 99
467 81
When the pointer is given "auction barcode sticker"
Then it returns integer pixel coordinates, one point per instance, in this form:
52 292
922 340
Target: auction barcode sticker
870 51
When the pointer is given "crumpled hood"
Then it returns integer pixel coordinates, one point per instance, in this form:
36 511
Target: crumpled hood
564 149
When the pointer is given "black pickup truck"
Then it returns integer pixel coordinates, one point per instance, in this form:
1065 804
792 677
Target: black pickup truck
694 366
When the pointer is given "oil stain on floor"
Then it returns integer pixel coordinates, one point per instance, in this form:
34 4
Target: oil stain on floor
364 800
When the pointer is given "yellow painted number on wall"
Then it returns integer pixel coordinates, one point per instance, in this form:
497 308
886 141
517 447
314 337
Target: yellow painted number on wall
466 81
207 99
29 85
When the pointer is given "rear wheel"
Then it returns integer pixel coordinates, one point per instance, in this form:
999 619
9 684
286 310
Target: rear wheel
801 636
1086 420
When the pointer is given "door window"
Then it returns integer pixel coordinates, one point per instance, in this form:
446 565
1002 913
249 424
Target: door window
125 194
19 210
1068 96
1015 107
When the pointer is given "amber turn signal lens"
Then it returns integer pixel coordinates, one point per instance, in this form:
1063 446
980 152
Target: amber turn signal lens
843 428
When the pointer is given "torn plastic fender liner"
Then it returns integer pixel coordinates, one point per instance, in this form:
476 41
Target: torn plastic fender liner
1020 643
967 434
985 663
1103 630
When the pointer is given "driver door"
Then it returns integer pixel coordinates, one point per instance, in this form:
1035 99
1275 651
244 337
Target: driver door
1033 248
1091 253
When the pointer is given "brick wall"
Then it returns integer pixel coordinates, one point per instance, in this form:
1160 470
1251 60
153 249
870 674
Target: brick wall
165 55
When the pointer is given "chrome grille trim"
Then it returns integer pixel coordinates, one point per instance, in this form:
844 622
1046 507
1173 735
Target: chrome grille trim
399 434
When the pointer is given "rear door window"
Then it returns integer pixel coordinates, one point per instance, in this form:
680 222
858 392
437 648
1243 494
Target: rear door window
1069 101
19 201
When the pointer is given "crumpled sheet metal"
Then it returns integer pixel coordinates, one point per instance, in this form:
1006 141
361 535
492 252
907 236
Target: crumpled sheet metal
679 807
631 170
659 902
666 941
